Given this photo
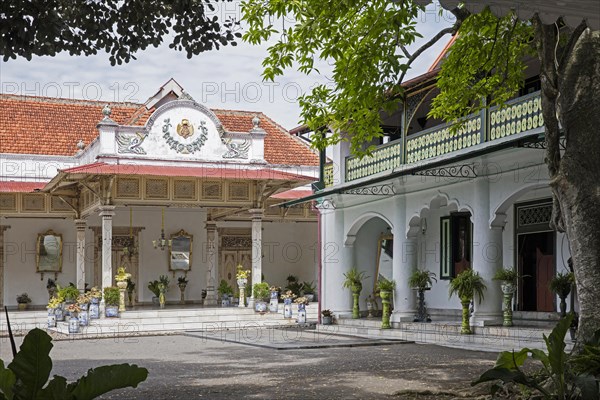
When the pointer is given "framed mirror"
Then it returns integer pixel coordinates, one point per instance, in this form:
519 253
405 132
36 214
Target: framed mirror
384 257
180 251
49 250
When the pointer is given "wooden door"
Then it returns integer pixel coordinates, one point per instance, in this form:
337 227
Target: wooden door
544 273
227 269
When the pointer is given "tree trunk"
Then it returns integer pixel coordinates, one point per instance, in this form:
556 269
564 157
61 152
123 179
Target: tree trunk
570 90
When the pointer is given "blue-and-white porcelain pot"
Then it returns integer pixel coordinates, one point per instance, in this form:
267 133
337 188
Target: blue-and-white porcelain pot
94 311
84 318
51 318
60 315
111 311
73 324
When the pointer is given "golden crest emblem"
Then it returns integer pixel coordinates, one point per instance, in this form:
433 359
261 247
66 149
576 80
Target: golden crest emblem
185 129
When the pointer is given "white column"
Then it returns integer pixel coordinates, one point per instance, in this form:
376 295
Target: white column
403 264
337 258
107 213
212 277
257 216
487 256
80 225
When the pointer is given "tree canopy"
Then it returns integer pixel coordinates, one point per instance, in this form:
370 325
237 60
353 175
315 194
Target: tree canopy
120 28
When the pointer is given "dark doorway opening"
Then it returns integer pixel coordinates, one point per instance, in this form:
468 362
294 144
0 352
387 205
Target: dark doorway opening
536 254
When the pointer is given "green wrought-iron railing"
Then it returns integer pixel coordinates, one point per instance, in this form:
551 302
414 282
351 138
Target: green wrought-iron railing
383 158
518 115
328 174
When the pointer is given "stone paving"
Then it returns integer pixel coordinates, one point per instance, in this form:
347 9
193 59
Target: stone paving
197 367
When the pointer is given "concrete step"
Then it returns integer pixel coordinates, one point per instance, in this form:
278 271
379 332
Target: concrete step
483 338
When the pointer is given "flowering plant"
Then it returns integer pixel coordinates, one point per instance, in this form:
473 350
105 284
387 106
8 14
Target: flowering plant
327 313
83 299
302 300
73 308
54 302
95 293
122 275
288 295
242 273
275 289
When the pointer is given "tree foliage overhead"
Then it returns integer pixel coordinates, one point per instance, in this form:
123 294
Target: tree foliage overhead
485 62
362 41
120 28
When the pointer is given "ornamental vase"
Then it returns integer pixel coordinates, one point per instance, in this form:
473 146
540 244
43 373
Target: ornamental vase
84 319
94 311
59 313
287 301
273 305
242 282
261 306
95 300
182 287
73 324
385 317
111 311
51 318
84 306
287 309
275 295
301 314
508 290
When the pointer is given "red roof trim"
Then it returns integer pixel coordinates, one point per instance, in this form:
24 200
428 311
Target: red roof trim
20 187
241 172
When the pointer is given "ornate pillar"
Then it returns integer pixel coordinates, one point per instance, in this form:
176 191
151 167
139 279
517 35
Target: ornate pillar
487 256
107 213
257 216
212 277
80 225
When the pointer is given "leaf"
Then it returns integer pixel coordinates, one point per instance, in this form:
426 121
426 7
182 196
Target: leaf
32 364
106 378
557 357
503 374
7 381
588 386
57 389
511 360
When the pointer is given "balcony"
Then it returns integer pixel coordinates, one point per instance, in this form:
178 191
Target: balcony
519 115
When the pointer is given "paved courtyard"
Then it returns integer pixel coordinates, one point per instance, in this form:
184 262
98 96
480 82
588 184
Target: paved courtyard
190 367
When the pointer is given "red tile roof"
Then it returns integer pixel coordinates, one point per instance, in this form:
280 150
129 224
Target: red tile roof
49 126
22 187
292 194
241 172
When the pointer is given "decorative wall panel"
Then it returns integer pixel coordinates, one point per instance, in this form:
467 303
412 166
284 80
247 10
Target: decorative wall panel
184 189
157 188
33 203
128 187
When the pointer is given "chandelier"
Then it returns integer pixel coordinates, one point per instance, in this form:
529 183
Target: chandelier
130 249
161 242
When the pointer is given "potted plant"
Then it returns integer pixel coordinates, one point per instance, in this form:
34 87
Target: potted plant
51 288
508 283
260 292
69 294
182 283
111 301
308 290
241 277
561 285
293 285
23 300
274 302
327 317
466 286
225 290
54 304
153 287
95 296
302 303
353 281
386 287
73 310
83 301
421 280
287 298
163 288
130 289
